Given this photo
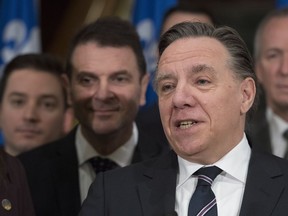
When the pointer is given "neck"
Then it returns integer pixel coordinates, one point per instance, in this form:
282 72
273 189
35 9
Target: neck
106 144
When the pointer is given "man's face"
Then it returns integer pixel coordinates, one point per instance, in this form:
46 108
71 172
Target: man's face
202 105
32 110
272 65
106 88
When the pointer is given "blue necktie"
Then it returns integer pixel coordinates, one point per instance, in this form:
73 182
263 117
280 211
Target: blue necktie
203 201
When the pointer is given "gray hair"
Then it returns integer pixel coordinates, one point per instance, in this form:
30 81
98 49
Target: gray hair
277 13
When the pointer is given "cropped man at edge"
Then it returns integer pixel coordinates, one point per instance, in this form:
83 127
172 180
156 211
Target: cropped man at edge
268 129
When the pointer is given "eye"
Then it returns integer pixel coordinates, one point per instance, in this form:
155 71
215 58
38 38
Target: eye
202 81
166 87
17 102
85 80
273 55
121 78
49 104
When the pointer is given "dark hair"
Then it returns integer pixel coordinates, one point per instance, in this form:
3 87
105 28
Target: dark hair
44 63
277 13
240 62
188 7
109 31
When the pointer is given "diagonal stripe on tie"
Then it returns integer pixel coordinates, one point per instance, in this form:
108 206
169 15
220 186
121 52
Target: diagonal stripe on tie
203 201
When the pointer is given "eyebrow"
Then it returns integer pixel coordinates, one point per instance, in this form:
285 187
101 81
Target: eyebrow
42 96
91 74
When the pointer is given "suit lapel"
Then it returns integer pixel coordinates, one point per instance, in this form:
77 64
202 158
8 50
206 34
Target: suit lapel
157 193
147 147
264 185
66 176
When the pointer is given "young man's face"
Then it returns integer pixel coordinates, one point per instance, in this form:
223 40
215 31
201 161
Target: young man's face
32 110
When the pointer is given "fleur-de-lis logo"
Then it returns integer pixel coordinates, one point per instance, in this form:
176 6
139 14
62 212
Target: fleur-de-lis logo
17 39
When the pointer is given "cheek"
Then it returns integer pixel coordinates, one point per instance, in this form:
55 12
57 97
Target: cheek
53 123
80 93
269 71
131 96
225 104
165 113
79 97
10 116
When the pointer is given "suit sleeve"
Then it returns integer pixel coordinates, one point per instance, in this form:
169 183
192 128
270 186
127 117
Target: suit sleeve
94 204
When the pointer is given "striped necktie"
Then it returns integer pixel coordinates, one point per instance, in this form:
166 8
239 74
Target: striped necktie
203 201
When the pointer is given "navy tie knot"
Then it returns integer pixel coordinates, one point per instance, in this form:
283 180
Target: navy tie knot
100 164
206 175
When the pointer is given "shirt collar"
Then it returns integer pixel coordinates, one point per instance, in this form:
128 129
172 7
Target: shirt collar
234 163
277 124
122 156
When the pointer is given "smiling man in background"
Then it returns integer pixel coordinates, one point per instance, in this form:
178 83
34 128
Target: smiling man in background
108 81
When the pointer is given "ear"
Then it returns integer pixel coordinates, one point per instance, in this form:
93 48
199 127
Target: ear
69 120
248 91
144 84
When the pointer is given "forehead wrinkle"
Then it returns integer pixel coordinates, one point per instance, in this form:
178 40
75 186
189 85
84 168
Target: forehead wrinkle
175 57
194 69
202 68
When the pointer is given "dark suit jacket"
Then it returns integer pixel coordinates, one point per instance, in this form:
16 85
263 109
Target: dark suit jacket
148 119
148 189
258 132
14 188
53 177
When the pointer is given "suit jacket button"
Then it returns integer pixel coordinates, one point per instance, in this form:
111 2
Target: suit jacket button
6 204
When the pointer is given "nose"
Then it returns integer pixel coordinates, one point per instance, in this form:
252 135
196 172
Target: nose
183 96
102 91
31 112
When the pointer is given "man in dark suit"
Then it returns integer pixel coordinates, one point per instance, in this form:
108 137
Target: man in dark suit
206 86
270 123
148 117
108 80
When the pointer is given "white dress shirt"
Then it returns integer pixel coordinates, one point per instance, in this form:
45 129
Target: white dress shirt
228 187
122 156
277 126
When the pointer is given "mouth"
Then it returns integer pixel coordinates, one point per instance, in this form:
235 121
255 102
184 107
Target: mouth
104 108
186 124
282 87
29 132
